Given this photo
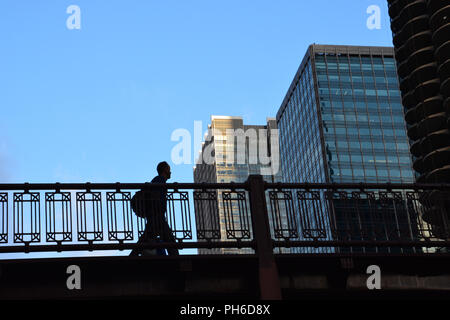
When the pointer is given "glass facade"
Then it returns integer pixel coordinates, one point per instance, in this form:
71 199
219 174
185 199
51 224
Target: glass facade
300 143
342 121
362 119
354 131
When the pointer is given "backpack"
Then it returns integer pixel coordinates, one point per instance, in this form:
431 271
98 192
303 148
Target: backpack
142 201
137 204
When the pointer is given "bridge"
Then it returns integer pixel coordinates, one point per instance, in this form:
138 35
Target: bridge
253 240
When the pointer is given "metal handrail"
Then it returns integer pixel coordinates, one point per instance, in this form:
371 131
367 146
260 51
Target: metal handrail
340 239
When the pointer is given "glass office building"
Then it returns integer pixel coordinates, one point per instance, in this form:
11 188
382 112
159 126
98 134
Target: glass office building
342 119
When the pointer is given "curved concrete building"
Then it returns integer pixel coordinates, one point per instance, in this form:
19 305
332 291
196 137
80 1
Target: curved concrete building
421 32
421 36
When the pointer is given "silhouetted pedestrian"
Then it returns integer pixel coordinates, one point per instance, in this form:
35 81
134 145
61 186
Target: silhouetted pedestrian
154 204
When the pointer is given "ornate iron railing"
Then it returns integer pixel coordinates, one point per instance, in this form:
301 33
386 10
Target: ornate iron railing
228 217
376 217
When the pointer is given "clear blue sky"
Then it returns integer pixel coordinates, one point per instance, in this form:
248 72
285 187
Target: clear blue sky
100 104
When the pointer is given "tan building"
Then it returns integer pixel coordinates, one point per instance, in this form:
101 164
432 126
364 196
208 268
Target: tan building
231 152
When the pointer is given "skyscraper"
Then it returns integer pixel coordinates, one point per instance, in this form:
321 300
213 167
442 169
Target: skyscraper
421 36
342 119
233 151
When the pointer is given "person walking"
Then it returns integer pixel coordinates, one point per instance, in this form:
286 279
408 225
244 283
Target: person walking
154 205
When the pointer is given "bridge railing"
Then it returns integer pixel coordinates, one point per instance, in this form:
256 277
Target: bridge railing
372 218
226 217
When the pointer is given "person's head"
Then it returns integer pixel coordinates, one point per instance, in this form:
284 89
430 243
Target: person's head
163 169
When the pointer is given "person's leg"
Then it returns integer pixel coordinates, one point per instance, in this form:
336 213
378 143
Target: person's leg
160 227
167 236
137 251
145 237
161 251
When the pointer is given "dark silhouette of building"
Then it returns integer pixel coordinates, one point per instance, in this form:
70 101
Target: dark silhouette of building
421 36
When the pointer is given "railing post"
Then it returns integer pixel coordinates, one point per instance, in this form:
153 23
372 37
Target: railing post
269 281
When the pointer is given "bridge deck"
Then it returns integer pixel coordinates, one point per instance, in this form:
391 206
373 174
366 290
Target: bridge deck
223 276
